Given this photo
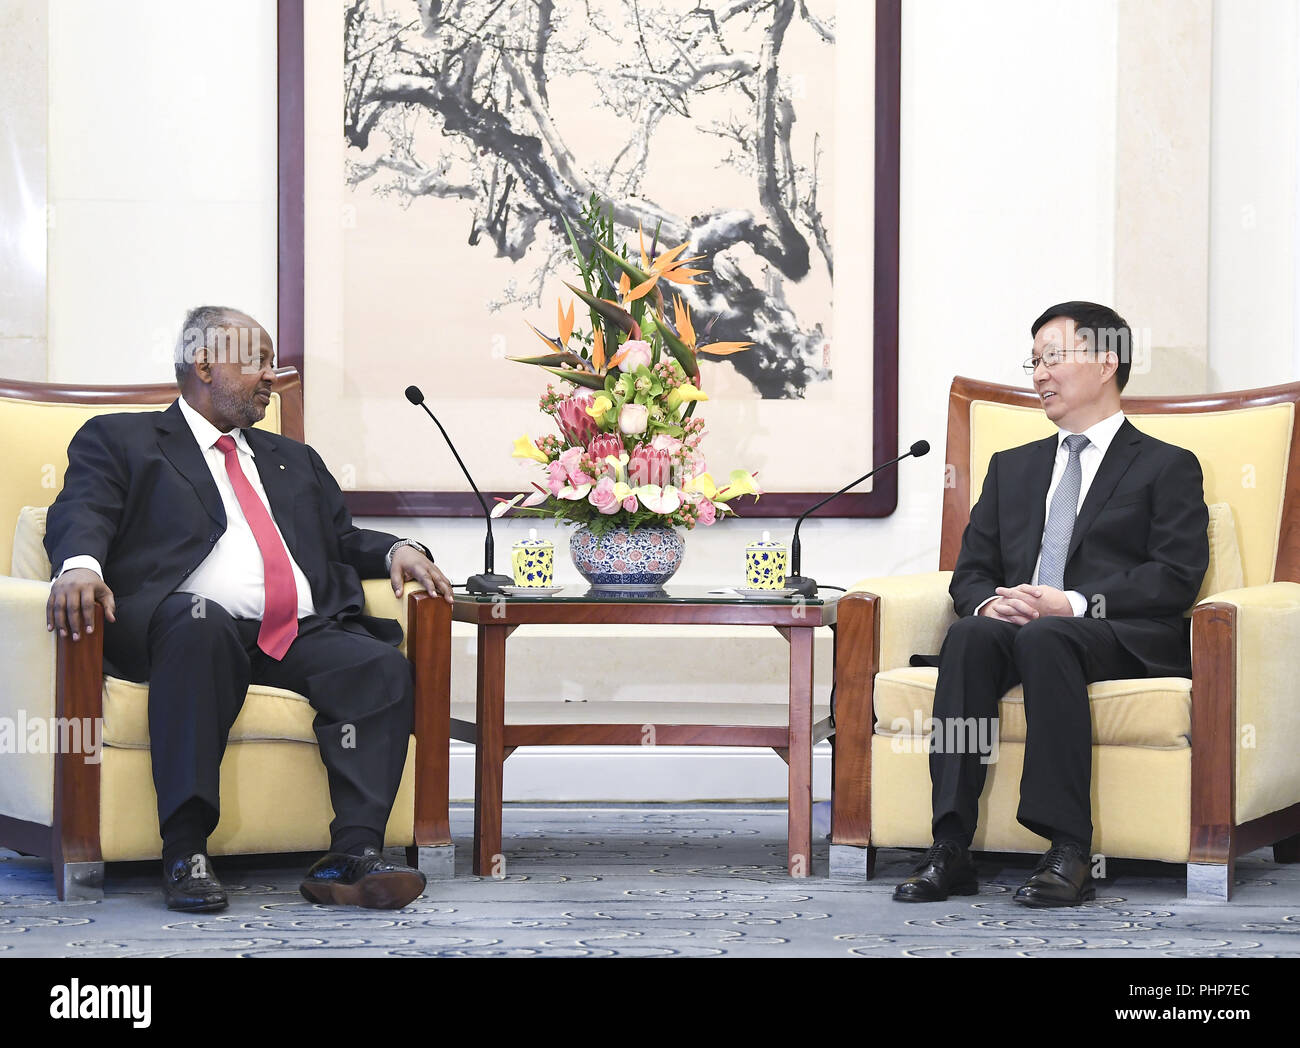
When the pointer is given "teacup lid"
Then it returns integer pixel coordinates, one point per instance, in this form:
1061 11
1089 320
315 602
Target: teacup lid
533 541
766 543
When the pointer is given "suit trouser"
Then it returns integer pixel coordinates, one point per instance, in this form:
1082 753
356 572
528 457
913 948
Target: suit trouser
202 663
1055 658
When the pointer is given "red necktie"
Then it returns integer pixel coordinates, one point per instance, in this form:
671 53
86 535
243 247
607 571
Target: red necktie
280 614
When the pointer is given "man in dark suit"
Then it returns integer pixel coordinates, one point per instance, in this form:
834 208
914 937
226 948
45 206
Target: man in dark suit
225 556
1081 556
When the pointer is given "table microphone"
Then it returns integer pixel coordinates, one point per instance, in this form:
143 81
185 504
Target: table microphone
489 581
808 587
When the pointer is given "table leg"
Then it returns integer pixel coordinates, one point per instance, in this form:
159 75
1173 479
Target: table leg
800 791
489 751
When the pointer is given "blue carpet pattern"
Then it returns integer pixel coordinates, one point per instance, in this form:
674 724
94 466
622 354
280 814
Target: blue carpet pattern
650 881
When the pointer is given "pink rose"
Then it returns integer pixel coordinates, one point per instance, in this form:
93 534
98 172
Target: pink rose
633 419
602 496
637 355
571 462
706 512
664 442
556 477
630 504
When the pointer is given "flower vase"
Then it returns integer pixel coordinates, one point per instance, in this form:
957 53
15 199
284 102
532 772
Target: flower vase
633 560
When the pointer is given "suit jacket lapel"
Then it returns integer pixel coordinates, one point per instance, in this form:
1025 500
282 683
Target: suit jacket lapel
1037 480
273 470
1119 456
177 443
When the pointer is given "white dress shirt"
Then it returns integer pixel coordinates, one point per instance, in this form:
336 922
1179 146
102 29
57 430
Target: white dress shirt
1099 436
232 574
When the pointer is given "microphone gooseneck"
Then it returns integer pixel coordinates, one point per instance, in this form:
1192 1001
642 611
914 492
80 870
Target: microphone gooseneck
489 581
806 587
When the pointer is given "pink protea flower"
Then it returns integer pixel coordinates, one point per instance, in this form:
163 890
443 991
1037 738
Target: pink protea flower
601 447
574 422
649 466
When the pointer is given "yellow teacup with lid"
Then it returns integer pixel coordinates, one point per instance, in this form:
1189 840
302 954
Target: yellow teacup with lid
533 561
765 564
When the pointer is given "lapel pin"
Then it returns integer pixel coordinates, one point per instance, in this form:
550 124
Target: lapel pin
282 465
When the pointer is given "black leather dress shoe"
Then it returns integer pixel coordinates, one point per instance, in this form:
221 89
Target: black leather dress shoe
191 885
946 870
367 880
1061 878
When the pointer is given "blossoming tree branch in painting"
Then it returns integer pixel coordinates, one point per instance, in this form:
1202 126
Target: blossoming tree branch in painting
478 73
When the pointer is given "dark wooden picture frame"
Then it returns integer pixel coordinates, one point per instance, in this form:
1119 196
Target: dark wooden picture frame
880 501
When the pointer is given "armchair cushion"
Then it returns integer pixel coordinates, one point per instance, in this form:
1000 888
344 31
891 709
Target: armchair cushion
268 714
1153 712
1224 572
915 613
30 561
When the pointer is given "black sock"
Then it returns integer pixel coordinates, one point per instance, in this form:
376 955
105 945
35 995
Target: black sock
949 828
1059 839
185 831
353 840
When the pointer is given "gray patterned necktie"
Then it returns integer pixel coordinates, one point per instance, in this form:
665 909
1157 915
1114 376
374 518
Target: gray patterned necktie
1060 517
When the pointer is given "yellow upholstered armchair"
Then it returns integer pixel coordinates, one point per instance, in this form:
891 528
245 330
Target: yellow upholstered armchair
75 775
1194 771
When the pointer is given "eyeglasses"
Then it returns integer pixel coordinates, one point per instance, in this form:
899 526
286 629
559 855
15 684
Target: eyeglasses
1049 359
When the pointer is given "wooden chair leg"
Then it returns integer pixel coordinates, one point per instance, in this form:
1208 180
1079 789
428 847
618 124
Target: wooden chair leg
1287 850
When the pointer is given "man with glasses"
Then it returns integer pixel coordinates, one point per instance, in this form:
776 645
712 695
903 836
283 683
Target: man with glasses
1080 558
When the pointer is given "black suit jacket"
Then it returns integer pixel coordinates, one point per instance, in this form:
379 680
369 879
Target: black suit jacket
1138 552
139 497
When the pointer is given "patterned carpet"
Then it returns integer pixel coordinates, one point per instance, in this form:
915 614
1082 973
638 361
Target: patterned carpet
650 881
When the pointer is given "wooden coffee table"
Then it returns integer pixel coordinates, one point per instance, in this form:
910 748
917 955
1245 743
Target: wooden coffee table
497 617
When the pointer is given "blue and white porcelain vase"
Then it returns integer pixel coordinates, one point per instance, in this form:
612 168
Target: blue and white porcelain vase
632 560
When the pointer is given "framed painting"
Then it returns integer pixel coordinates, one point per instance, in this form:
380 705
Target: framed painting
431 151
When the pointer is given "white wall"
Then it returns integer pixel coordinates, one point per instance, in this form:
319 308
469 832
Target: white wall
23 103
1254 339
163 176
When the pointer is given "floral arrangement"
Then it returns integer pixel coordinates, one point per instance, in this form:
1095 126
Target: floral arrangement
628 448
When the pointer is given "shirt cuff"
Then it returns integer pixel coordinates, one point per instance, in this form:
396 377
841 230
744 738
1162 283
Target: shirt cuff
1078 602
981 604
81 562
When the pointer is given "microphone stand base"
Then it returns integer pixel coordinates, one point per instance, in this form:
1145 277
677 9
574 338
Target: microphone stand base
479 584
803 587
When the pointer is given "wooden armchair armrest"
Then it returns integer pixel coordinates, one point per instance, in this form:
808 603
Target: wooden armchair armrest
1245 719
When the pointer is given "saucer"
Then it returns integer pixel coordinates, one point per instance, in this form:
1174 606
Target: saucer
531 591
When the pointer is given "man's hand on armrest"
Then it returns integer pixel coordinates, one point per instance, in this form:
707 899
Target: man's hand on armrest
72 602
410 563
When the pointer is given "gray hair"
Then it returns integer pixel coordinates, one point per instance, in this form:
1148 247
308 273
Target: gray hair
211 327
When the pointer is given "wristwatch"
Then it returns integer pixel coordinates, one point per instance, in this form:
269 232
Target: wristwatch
420 546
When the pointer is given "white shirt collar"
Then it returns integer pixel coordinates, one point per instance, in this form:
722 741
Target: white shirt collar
1099 434
206 433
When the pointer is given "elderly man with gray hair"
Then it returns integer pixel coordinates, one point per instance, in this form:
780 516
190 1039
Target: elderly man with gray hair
224 556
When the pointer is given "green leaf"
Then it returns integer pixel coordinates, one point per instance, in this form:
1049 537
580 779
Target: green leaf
554 358
679 349
636 275
578 378
616 315
577 253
